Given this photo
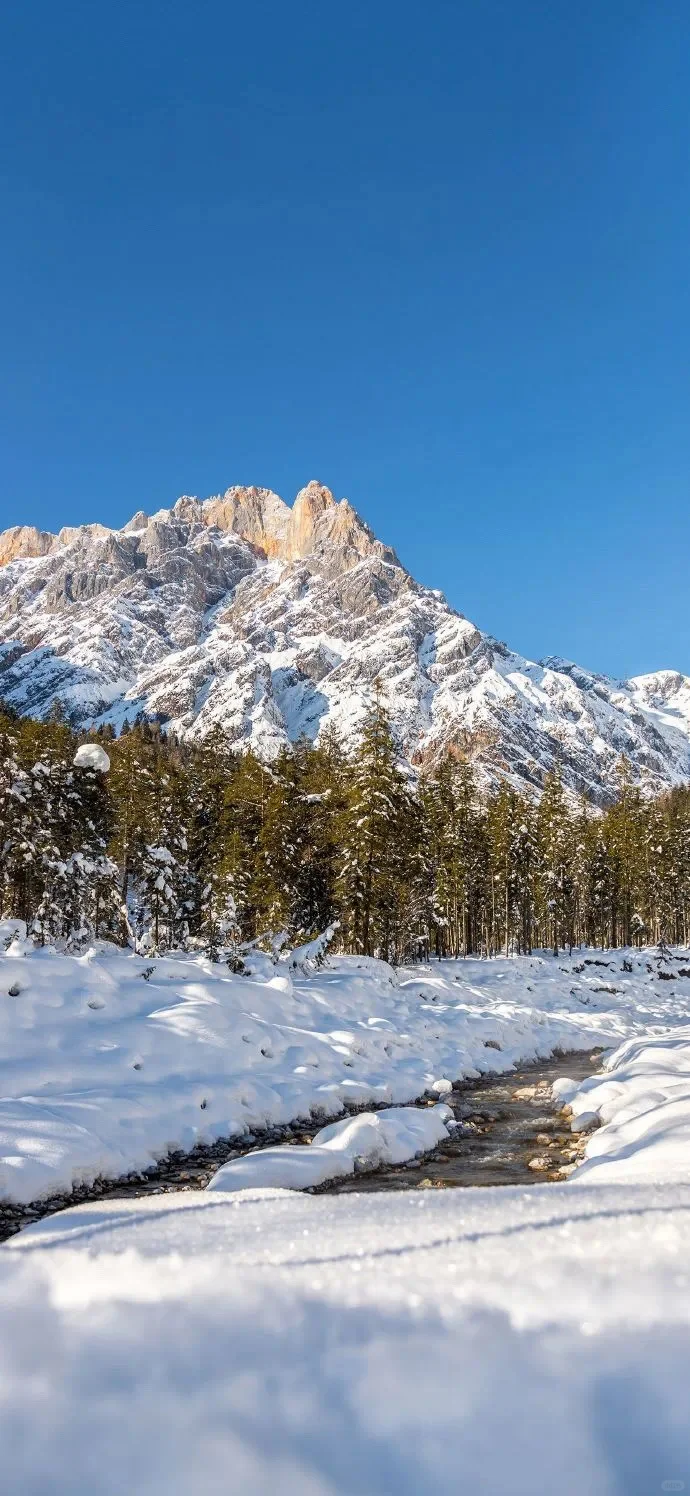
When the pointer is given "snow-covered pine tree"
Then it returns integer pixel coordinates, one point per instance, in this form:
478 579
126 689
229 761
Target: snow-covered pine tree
130 773
157 877
14 788
50 813
90 878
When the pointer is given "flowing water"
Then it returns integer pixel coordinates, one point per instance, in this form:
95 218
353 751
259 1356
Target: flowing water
506 1123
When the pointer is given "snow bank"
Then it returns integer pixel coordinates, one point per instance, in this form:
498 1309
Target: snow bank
425 1343
643 1103
391 1136
108 1060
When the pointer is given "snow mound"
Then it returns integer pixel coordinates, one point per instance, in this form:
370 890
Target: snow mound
92 756
391 1136
642 1102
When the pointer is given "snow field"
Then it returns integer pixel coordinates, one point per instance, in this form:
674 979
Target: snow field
256 1339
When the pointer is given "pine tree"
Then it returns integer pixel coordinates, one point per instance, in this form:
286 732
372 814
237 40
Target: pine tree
51 813
192 841
556 865
282 840
324 787
247 800
623 823
213 913
457 857
511 844
154 842
15 787
377 835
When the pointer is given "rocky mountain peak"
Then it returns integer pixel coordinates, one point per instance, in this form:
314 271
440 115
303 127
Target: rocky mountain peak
255 514
315 524
24 541
315 527
309 516
271 621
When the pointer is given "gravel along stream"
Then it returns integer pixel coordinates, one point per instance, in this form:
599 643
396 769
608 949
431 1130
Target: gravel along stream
509 1132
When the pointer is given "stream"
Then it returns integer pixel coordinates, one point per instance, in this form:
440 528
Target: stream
505 1123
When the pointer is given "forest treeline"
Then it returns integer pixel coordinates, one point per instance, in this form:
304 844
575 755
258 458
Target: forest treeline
188 844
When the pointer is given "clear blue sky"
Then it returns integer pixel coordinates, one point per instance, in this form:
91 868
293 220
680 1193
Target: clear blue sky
435 254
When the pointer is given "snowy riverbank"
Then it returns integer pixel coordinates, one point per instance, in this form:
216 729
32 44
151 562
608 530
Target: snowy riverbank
108 1061
641 1104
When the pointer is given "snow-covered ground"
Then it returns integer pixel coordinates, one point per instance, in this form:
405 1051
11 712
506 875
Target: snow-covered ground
494 1342
254 1340
109 1061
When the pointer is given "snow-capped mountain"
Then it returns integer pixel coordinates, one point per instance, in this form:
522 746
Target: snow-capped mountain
274 621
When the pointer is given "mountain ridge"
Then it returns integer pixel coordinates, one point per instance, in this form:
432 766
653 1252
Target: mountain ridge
257 515
273 620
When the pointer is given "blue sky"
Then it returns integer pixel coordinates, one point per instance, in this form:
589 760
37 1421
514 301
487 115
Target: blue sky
434 254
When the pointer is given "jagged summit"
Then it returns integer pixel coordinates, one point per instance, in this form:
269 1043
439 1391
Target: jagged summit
256 515
274 620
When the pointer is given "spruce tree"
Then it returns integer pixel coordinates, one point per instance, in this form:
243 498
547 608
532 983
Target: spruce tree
377 834
556 865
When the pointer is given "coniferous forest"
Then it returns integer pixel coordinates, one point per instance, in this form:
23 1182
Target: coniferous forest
190 845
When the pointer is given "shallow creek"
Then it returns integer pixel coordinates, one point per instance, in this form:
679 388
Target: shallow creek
509 1132
505 1123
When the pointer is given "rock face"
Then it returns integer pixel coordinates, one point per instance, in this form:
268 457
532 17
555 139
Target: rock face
274 621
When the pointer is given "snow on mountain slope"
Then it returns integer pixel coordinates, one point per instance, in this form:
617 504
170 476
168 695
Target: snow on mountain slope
273 621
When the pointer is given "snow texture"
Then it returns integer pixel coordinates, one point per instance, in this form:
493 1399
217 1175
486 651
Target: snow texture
92 756
495 1342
